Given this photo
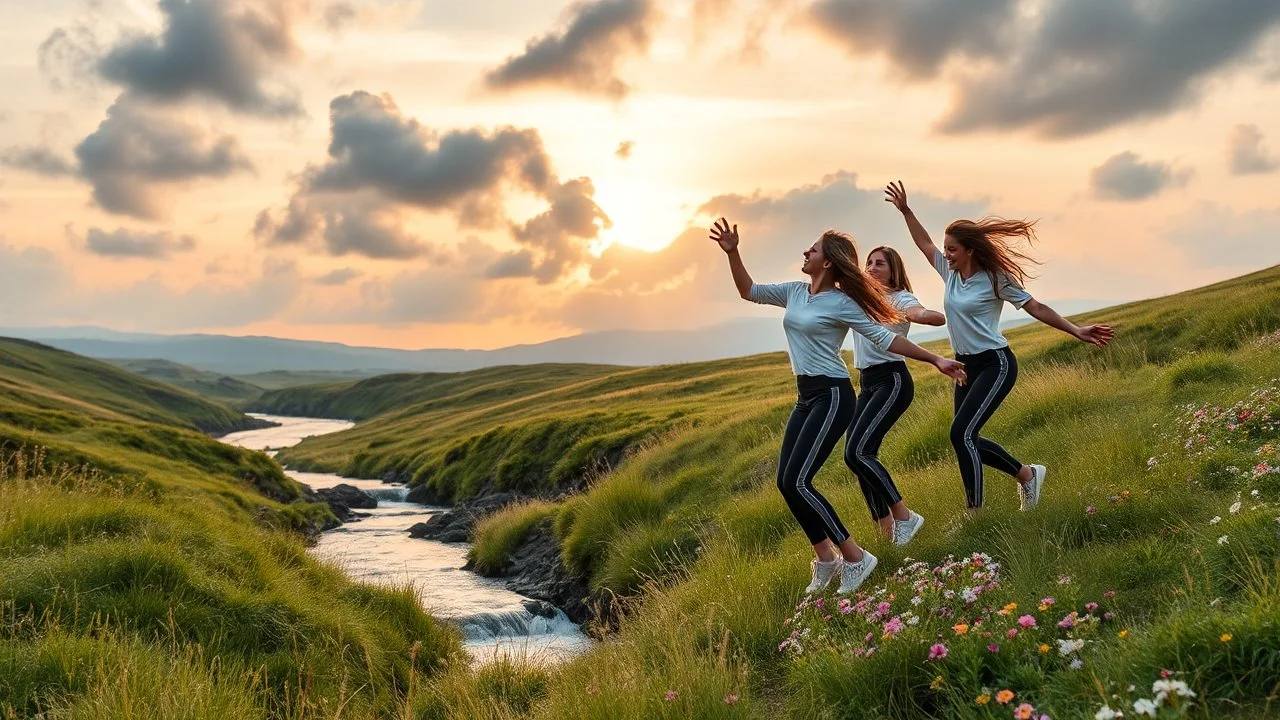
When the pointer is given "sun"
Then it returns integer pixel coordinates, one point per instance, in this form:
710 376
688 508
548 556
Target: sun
645 215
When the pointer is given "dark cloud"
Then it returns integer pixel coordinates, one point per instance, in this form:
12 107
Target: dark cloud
1245 153
382 163
122 243
39 160
624 149
917 36
584 54
134 153
223 50
1125 176
1082 66
341 276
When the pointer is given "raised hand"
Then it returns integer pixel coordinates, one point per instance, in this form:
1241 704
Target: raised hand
1098 335
726 236
953 370
896 193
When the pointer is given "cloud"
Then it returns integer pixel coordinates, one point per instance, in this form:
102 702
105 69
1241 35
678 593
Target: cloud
624 149
39 160
917 36
68 57
1082 66
135 153
382 164
1245 154
1216 236
339 15
1124 176
341 276
584 54
222 50
122 243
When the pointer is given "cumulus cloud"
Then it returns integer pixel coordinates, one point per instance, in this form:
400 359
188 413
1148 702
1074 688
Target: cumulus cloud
124 243
583 55
917 36
1082 66
382 163
134 154
1125 176
221 50
341 276
39 160
1245 153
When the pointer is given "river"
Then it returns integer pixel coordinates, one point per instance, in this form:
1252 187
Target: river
378 549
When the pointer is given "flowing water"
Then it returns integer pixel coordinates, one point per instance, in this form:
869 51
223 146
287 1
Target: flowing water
378 549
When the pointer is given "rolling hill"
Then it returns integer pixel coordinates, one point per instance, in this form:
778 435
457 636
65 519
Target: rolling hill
201 382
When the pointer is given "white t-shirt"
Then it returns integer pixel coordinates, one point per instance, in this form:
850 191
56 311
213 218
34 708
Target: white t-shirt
817 324
972 308
866 353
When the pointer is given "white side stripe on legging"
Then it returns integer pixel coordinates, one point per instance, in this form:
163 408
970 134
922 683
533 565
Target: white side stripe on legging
877 468
969 433
802 482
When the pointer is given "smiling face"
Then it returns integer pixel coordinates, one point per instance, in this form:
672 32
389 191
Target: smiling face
814 261
958 256
878 268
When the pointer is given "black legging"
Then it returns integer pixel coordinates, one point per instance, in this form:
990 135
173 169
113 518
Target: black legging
887 391
821 415
992 374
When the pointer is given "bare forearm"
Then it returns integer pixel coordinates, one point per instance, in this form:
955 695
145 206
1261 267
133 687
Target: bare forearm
741 278
919 235
1050 317
922 316
906 348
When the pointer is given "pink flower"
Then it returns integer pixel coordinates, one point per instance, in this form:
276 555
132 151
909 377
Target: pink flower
1091 606
1067 622
1108 615
1047 601
1024 711
1109 594
1012 633
938 651
730 699
993 648
826 618
671 695
1027 621
883 608
1166 674
868 638
893 626
845 606
1090 510
820 602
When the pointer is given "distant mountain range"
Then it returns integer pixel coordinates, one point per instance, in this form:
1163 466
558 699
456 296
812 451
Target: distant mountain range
234 355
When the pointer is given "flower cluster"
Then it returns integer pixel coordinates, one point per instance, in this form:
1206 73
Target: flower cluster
1170 699
1253 421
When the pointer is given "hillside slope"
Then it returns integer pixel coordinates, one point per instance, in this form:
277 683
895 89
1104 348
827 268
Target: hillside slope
211 385
1152 559
37 376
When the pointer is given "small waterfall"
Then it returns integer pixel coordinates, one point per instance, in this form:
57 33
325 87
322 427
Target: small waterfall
516 622
391 493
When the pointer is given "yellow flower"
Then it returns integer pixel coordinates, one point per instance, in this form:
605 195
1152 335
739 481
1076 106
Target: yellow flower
1044 606
1004 696
1008 608
960 628
1226 637
937 683
983 699
1044 649
1123 634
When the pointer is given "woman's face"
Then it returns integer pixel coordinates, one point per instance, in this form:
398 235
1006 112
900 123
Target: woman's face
813 259
957 255
878 268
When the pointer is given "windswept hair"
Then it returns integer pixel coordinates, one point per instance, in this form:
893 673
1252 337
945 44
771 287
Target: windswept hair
839 249
995 244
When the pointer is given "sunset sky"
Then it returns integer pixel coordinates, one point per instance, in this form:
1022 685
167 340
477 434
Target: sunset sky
482 173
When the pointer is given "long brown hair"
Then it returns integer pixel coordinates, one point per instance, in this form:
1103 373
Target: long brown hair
897 269
839 250
994 242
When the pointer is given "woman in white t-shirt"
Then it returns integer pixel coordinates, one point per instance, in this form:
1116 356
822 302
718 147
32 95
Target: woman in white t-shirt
887 391
838 298
982 269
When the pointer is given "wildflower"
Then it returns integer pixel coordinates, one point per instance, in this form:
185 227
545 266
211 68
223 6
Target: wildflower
1044 649
1109 594
1076 664
1064 579
1152 462
1235 507
1223 540
1027 621
1091 606
1106 713
1122 634
1215 520
1068 622
994 648
845 606
914 620
984 698
1254 492
1108 615
960 628
1091 510
893 626
671 695
730 699
937 651
1166 673
1143 706
1046 603
1011 633
1024 711
1007 609
1165 688
1004 696
1066 647
883 608
1226 637
937 683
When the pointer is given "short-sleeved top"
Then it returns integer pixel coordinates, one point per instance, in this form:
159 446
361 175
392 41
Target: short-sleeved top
867 353
816 326
973 309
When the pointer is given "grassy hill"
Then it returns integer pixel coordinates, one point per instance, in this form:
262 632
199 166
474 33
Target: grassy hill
147 570
1153 557
276 379
36 376
214 386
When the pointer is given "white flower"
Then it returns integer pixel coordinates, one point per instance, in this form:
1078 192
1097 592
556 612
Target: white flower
914 620
1066 647
917 599
1106 713
1064 579
1144 706
970 596
1216 519
1223 540
948 594
1165 688
1235 507
1254 492
1077 664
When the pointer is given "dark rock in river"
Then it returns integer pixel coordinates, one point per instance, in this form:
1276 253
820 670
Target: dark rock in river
536 570
424 495
342 498
541 608
456 525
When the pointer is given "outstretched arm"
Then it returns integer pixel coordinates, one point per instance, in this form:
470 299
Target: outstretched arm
896 193
921 315
950 368
726 236
1098 335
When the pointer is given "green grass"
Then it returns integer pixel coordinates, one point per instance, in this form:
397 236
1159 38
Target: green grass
504 531
211 385
688 530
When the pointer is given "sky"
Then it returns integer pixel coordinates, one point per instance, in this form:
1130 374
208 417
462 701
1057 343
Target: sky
483 173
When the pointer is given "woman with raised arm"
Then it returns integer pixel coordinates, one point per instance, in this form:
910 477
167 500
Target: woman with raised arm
887 391
838 298
982 269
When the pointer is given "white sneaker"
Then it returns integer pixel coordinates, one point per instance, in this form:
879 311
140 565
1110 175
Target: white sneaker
822 574
852 574
904 530
1029 492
